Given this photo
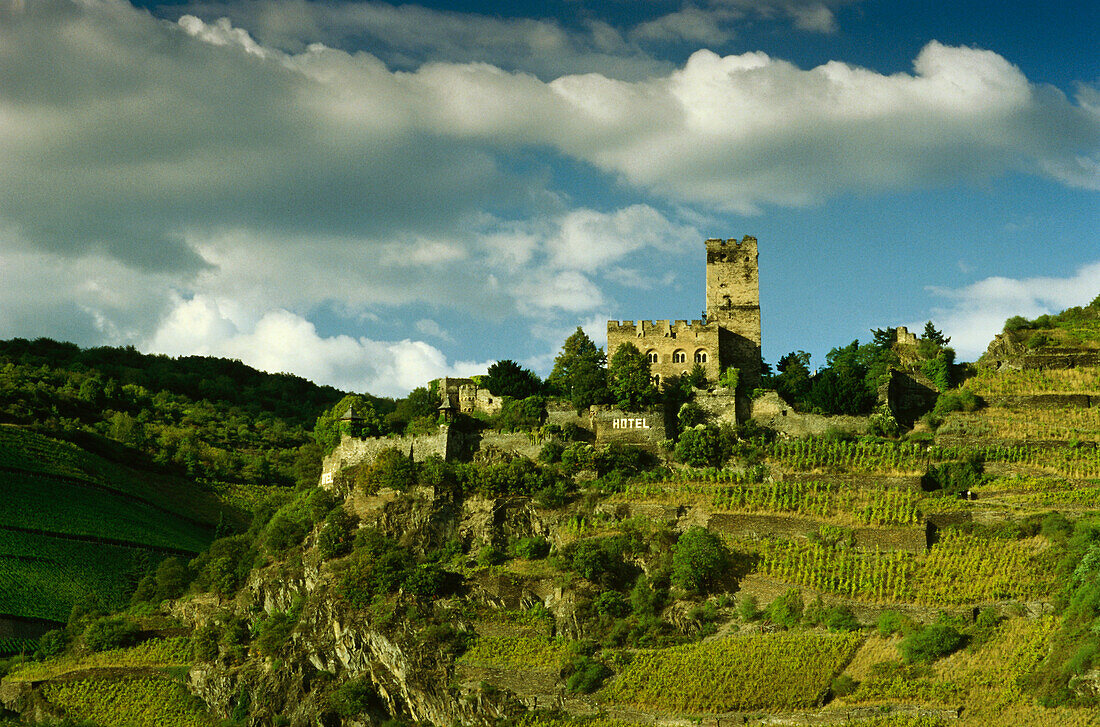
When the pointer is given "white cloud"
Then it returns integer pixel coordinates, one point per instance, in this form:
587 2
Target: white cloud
430 328
975 313
281 341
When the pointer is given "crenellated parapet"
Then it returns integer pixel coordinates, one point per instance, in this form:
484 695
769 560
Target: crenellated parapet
670 329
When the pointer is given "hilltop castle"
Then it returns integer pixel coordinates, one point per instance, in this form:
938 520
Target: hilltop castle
729 333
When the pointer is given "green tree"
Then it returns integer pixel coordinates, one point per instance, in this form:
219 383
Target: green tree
700 446
329 427
579 373
698 558
630 380
793 381
508 378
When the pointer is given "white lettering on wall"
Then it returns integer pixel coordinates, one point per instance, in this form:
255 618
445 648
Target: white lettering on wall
630 424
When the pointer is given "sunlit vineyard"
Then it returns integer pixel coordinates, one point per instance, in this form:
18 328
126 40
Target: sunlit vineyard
964 568
866 575
866 505
174 651
1079 462
137 701
959 569
990 384
814 453
516 652
1058 424
764 671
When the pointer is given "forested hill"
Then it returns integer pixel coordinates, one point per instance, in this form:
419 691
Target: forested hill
207 418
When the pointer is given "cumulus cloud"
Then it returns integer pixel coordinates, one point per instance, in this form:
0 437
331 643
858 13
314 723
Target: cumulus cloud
973 314
281 341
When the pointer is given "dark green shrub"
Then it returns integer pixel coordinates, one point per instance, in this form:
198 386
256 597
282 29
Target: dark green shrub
52 643
843 685
954 478
891 622
700 446
840 618
112 632
786 610
426 580
551 452
698 558
931 642
1016 323
353 697
204 642
391 469
488 556
337 534
273 633
532 548
585 675
611 605
748 608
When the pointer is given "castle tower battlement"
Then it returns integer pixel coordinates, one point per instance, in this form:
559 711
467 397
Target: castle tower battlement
729 335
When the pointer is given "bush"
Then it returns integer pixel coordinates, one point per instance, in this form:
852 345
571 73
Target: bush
337 535
532 548
611 605
748 608
891 622
52 643
489 556
204 642
391 469
840 618
585 675
1016 323
551 452
786 610
353 697
110 633
700 446
931 642
843 685
698 557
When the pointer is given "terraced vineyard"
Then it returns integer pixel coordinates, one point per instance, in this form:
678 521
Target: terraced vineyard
43 576
77 528
774 671
134 701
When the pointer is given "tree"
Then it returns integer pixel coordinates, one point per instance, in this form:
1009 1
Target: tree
936 337
793 381
629 378
579 373
508 378
329 427
698 558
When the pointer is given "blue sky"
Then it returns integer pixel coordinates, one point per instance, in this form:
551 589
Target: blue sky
373 195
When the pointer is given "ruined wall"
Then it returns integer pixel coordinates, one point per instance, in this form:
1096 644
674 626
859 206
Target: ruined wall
677 346
352 451
769 410
721 405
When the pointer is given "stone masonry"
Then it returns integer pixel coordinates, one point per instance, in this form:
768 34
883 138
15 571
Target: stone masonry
729 334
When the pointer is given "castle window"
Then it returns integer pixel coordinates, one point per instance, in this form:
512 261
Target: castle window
652 356
700 357
656 379
679 357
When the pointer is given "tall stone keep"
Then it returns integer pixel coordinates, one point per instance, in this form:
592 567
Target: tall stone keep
728 334
733 301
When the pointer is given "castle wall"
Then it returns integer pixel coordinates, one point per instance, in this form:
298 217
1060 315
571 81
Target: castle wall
730 334
352 451
645 428
675 345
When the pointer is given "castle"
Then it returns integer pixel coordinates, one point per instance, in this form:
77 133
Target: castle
729 333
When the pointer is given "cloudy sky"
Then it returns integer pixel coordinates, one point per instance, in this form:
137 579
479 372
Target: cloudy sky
372 195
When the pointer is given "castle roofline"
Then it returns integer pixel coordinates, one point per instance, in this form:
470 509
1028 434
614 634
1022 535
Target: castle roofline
717 243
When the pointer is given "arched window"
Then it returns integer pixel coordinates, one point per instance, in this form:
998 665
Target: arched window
679 357
652 356
700 356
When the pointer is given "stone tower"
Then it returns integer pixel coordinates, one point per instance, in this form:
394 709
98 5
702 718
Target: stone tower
733 302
